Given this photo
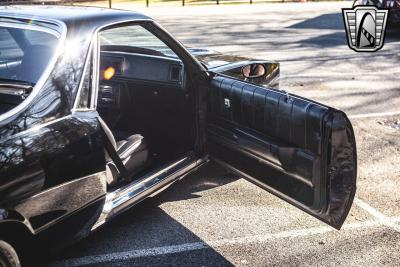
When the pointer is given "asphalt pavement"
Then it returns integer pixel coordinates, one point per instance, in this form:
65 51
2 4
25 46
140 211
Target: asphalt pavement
213 218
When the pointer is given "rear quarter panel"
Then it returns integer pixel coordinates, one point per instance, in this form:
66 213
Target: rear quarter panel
49 172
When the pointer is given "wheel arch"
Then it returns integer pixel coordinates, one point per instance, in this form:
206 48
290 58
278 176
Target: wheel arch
15 230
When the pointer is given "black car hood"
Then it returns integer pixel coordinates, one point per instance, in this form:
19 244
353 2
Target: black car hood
213 59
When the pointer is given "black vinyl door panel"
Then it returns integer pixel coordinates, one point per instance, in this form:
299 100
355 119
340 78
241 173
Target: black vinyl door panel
300 150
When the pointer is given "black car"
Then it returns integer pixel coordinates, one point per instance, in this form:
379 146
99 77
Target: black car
102 108
392 5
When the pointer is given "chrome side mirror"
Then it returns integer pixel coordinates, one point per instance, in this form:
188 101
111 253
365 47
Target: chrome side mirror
254 70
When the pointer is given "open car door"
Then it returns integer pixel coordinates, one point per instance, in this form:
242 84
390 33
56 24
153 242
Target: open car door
300 150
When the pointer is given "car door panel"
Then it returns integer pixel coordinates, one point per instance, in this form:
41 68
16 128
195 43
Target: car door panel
300 150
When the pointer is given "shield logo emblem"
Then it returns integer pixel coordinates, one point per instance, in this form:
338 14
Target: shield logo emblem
365 27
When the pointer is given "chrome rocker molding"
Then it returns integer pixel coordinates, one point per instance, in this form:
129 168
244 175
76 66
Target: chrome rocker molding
121 199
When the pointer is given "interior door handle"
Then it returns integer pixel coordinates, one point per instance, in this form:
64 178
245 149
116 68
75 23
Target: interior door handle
227 103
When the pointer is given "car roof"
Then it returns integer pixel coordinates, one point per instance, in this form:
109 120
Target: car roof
72 16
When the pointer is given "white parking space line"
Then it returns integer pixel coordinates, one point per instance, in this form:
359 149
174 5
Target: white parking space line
332 74
373 115
157 251
385 220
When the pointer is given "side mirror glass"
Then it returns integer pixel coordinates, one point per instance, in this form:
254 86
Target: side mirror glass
255 70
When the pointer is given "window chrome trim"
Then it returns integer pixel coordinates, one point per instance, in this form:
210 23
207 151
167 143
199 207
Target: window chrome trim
95 75
46 74
39 28
88 62
96 58
96 70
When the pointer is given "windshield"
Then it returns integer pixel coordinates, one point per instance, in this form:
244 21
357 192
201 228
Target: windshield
134 38
25 52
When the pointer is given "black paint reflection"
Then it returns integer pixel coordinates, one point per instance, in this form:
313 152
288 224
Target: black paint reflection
40 159
57 96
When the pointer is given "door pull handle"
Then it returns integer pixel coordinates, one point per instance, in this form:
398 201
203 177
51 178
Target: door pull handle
227 103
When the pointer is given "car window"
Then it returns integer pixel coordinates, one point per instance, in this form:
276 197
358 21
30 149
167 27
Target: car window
135 36
40 38
9 47
25 53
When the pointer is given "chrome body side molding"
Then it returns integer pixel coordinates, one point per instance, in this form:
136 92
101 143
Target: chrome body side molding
121 199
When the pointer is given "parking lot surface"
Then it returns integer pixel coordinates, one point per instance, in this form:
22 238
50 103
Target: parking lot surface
213 218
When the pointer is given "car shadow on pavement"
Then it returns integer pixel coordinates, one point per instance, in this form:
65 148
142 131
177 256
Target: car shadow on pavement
326 40
392 34
147 227
209 176
332 21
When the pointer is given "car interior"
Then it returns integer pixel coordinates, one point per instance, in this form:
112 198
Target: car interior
145 108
